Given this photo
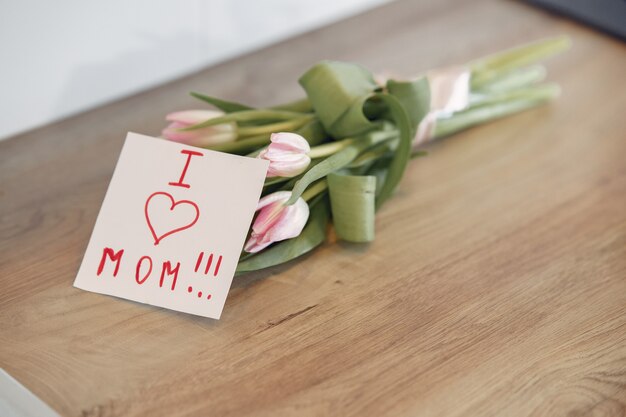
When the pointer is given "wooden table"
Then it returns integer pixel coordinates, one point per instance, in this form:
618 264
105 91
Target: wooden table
496 284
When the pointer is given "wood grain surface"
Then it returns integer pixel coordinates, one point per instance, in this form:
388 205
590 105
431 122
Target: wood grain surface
496 285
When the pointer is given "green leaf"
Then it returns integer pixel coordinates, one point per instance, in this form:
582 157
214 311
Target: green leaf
223 105
372 154
282 126
337 92
414 97
247 116
241 146
313 132
352 200
403 149
325 167
313 234
282 183
302 105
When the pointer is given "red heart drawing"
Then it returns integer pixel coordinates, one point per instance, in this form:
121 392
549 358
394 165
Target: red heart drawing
174 203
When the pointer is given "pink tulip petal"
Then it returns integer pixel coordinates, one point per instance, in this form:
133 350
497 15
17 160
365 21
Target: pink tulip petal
178 135
293 142
267 218
276 222
277 155
177 125
287 155
270 198
288 168
192 117
200 137
253 244
290 223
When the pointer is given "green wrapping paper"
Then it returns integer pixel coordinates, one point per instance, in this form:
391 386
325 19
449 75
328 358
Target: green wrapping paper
353 205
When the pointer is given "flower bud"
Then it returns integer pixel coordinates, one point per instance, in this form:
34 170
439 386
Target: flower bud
287 155
203 137
276 221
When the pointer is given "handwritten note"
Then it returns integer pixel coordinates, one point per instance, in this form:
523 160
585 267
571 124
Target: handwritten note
172 226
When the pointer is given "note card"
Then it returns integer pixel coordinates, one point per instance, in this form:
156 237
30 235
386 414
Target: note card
172 226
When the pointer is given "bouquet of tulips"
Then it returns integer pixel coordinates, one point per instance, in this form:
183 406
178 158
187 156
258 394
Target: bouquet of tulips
338 154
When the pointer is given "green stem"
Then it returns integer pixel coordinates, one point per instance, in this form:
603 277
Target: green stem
330 148
486 69
285 126
314 190
247 116
515 79
373 139
536 92
481 114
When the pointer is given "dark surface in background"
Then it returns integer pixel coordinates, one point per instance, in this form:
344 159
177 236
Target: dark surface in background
606 15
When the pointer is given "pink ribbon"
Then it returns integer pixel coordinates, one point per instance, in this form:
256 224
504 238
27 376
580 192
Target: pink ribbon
449 93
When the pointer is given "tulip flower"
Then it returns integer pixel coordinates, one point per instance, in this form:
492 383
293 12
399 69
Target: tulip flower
276 221
206 136
287 155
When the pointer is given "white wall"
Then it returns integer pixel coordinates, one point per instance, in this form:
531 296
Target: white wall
58 58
